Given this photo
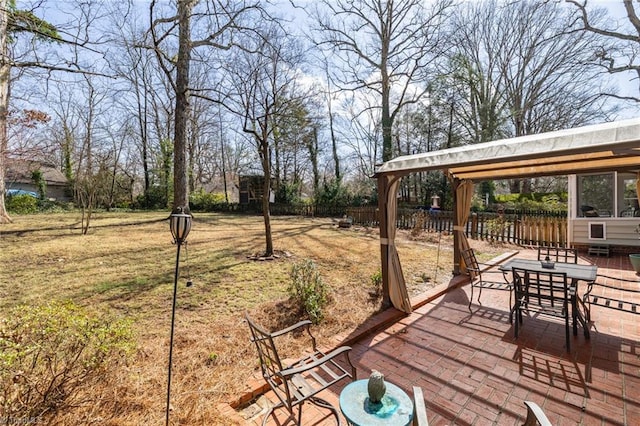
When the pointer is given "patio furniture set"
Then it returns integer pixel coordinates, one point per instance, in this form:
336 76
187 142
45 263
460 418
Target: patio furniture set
547 286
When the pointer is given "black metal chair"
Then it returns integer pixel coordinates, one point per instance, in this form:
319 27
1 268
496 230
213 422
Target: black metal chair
558 254
478 281
545 293
301 381
612 293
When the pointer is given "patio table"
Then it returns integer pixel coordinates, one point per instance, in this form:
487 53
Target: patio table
395 409
574 271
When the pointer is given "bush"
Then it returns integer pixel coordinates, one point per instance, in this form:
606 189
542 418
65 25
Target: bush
22 204
308 289
534 201
498 226
154 198
49 353
376 283
205 201
288 193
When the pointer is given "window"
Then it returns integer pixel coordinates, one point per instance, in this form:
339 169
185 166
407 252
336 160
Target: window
596 195
628 196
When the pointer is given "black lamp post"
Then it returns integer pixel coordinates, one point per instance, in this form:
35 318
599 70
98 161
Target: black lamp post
180 225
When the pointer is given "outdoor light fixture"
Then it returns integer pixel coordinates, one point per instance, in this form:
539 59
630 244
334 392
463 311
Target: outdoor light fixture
435 202
180 225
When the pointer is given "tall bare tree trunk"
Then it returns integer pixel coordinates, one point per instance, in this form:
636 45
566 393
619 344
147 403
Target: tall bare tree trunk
180 176
265 157
5 73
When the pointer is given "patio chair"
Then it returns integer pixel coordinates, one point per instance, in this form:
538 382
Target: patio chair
478 281
302 380
419 408
535 415
545 293
617 293
558 254
589 211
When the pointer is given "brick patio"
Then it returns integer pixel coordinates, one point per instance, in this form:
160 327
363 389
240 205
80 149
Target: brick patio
474 372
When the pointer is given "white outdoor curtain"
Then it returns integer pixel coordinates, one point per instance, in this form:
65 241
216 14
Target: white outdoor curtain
397 286
464 194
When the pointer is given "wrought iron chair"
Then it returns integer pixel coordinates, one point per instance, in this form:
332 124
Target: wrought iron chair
535 415
477 280
558 254
546 293
611 293
301 381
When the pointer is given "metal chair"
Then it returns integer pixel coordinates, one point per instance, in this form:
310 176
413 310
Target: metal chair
477 281
535 415
558 254
419 408
545 293
615 293
301 381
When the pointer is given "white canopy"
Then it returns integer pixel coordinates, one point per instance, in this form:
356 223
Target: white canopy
596 148
607 146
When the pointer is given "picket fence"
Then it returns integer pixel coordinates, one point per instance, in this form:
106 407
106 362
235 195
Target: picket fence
516 227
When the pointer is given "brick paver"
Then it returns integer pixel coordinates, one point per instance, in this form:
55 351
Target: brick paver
474 372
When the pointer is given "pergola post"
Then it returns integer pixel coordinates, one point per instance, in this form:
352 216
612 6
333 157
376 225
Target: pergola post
384 237
456 235
394 289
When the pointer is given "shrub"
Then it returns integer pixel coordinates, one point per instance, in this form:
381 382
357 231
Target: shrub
38 179
288 193
204 201
22 204
420 218
154 198
308 289
49 353
497 226
376 283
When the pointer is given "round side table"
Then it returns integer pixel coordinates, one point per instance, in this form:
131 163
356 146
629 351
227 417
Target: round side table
395 409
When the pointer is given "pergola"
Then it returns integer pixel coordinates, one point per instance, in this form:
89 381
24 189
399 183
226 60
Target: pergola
597 148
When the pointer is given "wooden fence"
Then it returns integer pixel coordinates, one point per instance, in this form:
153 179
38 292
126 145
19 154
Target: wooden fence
516 227
519 227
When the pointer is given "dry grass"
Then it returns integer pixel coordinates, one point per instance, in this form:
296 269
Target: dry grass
124 267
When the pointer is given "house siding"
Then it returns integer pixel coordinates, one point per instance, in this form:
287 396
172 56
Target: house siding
619 231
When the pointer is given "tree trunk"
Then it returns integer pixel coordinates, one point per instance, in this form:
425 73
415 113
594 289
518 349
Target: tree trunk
313 156
334 141
180 176
334 148
224 165
5 73
266 190
387 124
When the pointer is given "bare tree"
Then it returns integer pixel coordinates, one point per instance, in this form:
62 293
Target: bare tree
12 22
196 25
27 34
264 87
522 68
386 48
618 51
139 90
475 71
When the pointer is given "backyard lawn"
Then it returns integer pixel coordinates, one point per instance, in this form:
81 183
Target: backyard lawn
124 268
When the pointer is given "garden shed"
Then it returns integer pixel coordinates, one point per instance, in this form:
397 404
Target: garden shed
605 148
